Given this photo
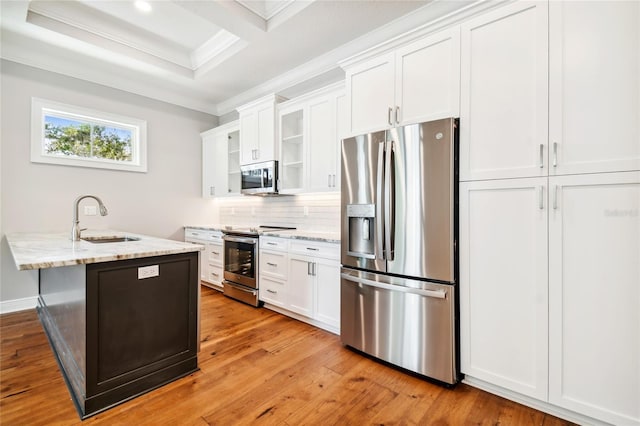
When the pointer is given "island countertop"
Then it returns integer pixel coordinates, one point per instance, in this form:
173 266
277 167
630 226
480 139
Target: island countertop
50 250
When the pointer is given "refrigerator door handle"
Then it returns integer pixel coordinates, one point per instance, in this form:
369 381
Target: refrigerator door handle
389 203
438 294
379 237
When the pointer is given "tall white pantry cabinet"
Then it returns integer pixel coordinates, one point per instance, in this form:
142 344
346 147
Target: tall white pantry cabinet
550 206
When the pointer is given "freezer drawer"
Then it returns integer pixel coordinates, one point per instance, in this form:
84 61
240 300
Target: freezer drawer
408 323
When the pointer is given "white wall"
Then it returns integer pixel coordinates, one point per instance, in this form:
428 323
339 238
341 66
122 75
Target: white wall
39 197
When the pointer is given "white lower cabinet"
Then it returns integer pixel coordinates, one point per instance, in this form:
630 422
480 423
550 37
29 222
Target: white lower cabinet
211 259
327 297
550 291
594 295
301 285
503 302
301 279
213 263
273 271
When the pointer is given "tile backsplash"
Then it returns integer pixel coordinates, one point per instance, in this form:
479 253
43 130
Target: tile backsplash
314 212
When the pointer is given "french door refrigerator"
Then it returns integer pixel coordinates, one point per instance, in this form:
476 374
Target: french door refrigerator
398 235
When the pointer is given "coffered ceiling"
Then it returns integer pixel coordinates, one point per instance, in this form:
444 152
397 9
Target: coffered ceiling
206 55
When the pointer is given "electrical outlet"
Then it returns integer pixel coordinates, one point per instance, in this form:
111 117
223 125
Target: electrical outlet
90 210
305 211
148 271
253 211
233 210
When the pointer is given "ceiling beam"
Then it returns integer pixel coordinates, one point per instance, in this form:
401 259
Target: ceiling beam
229 15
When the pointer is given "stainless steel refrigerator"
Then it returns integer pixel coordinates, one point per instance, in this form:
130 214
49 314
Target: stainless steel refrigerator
399 262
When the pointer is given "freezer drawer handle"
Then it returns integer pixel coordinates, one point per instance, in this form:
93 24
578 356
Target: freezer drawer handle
438 294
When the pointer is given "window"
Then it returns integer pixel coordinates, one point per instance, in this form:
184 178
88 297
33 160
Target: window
75 136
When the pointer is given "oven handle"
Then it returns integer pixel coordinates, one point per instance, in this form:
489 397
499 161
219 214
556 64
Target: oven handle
237 287
234 239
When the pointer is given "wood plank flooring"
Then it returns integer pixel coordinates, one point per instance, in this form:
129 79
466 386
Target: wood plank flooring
256 367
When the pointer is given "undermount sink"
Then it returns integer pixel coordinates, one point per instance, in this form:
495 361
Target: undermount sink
109 239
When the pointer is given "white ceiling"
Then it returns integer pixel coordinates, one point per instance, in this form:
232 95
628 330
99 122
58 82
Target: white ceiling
206 55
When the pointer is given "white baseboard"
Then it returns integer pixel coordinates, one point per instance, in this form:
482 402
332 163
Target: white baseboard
534 403
311 321
16 305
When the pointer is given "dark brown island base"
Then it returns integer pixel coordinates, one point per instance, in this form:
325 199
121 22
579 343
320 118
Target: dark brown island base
121 328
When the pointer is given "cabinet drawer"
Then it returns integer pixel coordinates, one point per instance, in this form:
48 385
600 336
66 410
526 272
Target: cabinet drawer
214 253
214 274
194 234
273 243
318 249
271 291
273 264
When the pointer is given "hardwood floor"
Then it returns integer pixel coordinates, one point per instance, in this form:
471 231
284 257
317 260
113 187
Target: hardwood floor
256 367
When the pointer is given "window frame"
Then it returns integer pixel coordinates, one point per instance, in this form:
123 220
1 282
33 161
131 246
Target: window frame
138 128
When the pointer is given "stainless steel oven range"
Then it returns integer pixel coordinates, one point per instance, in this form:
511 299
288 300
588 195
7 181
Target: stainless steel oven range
241 248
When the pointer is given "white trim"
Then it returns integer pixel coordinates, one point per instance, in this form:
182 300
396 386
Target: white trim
337 87
426 28
138 128
15 305
425 21
271 98
310 321
532 402
231 126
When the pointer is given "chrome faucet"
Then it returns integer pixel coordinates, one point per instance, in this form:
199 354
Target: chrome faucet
75 230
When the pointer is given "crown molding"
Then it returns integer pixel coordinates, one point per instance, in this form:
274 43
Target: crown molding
226 127
446 18
419 23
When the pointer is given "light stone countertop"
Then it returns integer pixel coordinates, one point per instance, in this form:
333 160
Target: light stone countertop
298 234
212 227
50 250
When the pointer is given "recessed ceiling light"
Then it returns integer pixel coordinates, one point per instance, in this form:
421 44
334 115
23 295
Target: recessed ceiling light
143 6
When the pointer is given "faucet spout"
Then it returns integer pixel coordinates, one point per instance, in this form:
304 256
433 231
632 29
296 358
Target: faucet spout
75 230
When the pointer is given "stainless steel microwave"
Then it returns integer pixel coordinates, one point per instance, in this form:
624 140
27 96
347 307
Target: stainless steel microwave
259 178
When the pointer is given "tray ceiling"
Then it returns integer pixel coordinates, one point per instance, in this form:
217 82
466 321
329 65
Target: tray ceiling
206 55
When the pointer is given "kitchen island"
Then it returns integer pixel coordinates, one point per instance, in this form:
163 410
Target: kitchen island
120 311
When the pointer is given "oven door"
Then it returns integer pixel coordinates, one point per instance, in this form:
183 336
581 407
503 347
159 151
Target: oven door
241 260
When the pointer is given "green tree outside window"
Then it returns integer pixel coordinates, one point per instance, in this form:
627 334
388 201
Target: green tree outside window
86 140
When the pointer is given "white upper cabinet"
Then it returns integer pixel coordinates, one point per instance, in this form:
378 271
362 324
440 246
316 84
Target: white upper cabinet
415 83
309 141
503 283
594 295
504 87
257 130
370 86
428 79
594 98
323 145
220 161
